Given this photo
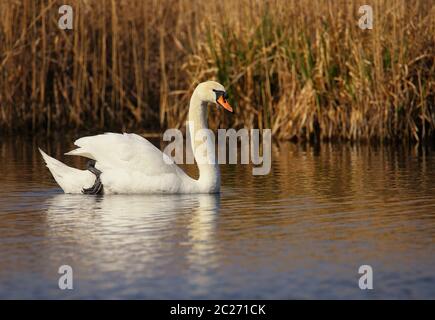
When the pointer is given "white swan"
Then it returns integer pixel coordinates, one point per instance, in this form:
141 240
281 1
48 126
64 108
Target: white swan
128 163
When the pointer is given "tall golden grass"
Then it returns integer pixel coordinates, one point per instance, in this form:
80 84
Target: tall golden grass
302 68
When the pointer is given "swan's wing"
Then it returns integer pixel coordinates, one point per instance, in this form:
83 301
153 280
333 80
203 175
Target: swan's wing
125 151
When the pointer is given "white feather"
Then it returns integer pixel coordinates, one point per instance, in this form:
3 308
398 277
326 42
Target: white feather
71 180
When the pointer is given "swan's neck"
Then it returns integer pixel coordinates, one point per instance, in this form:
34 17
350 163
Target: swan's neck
209 175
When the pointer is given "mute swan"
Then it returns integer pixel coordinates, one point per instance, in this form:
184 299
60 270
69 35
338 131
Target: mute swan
128 163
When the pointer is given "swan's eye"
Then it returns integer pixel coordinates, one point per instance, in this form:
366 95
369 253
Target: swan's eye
220 93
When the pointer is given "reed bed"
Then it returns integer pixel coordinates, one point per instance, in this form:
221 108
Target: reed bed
302 68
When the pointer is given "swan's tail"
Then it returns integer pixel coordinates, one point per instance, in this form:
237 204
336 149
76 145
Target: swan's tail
71 180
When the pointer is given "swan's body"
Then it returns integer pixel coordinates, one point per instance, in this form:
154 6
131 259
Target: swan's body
131 164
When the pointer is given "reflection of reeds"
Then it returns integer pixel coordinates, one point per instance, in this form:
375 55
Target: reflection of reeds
305 70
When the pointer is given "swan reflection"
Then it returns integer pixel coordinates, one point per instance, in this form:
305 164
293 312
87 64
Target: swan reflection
128 233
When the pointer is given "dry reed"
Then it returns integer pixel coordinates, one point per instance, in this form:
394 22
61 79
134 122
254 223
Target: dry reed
302 68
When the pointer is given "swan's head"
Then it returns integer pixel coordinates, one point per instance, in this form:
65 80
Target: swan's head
214 92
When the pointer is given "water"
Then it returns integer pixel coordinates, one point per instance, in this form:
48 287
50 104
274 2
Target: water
300 232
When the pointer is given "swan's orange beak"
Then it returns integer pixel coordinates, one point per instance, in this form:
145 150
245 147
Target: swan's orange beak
224 103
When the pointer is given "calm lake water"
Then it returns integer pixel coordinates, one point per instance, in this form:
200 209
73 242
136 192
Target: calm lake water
300 232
